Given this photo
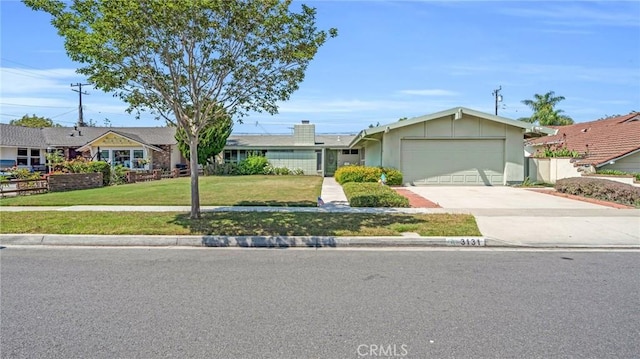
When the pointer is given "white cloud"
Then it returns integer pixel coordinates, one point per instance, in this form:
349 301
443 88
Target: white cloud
37 102
576 14
429 92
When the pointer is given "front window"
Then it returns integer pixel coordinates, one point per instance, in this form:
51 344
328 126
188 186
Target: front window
138 159
104 155
122 157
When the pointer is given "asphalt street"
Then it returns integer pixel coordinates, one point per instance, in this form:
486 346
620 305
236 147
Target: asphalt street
326 303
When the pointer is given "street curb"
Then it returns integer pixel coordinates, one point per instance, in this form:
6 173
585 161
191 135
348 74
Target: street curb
279 242
229 241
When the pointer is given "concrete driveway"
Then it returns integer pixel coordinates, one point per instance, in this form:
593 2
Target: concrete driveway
473 197
525 217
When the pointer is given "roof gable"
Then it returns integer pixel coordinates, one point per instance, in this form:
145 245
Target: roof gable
457 113
112 137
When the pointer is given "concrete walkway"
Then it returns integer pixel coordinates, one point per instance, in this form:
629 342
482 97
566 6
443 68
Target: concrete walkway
332 194
505 216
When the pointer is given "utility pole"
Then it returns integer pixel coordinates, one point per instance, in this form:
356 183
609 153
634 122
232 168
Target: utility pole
497 96
80 93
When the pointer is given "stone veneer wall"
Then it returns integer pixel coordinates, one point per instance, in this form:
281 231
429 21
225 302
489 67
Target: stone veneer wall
74 181
162 160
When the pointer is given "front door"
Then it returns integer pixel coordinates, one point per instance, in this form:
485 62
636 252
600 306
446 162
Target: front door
330 162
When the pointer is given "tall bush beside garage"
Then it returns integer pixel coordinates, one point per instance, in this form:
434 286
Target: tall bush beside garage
356 173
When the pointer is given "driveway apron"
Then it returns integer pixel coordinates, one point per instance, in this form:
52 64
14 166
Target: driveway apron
524 217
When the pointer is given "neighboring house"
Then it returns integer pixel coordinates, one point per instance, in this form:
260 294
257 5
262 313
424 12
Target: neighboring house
458 146
612 143
133 147
143 148
21 146
314 154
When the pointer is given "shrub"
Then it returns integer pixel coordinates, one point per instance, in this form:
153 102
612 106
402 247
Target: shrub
561 151
118 175
619 173
79 165
253 165
356 173
279 171
101 166
373 195
600 189
221 169
25 174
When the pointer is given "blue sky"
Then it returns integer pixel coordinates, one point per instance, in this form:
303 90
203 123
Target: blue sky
392 59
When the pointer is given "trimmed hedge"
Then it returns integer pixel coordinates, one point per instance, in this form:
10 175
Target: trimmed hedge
619 173
373 195
600 189
355 173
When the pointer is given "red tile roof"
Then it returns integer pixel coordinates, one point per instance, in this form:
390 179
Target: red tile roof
601 140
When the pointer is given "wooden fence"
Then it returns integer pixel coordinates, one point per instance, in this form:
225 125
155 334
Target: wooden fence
20 187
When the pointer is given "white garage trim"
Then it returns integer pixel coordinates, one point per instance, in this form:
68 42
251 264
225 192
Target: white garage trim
452 161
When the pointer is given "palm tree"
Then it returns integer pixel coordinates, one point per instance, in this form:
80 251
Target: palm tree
544 112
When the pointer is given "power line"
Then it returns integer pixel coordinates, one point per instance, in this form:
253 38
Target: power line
80 93
498 97
19 105
27 74
25 65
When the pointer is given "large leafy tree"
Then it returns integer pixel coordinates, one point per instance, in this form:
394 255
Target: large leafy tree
33 121
239 56
211 141
544 112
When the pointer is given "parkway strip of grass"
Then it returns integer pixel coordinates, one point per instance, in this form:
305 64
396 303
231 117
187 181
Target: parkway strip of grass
237 223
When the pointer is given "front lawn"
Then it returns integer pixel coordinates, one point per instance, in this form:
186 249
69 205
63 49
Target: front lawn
214 191
238 223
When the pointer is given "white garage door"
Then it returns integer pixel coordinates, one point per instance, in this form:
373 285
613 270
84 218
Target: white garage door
450 162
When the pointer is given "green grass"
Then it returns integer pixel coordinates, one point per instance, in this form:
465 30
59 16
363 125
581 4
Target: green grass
238 223
214 191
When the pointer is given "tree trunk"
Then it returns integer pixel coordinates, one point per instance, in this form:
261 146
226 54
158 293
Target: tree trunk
193 164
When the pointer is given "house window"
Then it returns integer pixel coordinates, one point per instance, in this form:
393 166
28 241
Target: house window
353 151
138 159
104 155
35 152
23 157
122 157
231 156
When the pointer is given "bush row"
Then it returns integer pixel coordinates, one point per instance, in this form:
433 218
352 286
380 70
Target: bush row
373 195
116 175
600 189
619 173
356 173
252 165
